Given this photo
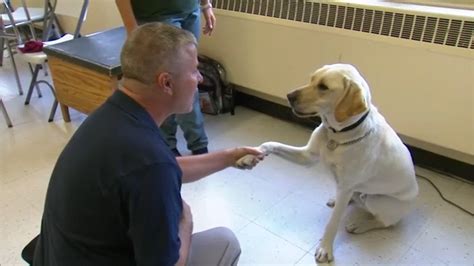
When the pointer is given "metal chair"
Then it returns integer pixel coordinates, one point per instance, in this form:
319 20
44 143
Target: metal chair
20 22
4 36
37 60
5 113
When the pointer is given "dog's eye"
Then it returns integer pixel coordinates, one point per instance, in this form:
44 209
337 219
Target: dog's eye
322 87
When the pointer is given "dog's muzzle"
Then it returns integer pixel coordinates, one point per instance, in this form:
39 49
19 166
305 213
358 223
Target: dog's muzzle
292 97
293 100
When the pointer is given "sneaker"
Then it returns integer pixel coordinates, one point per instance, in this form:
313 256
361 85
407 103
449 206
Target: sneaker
176 152
200 151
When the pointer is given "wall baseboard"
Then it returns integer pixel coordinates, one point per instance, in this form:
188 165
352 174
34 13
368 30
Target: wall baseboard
421 157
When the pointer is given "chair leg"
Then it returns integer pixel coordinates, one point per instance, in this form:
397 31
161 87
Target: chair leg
10 52
45 70
2 47
38 91
35 83
53 111
5 114
57 27
32 84
55 103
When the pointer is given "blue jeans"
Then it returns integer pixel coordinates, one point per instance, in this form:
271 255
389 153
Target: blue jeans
191 123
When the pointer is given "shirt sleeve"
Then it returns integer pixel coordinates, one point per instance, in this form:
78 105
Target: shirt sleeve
154 206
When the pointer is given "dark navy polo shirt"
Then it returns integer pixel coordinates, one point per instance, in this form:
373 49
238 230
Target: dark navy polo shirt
114 194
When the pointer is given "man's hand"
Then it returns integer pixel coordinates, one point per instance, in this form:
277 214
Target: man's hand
210 19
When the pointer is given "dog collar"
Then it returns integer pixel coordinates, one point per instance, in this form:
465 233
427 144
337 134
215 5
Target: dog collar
353 125
332 144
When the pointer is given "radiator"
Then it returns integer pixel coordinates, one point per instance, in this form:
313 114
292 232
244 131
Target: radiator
418 63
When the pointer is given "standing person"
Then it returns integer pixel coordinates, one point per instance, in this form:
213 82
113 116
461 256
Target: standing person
114 195
183 14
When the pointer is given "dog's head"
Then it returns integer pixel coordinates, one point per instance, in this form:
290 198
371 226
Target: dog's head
336 89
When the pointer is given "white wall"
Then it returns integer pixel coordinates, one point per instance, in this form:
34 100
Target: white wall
102 15
426 93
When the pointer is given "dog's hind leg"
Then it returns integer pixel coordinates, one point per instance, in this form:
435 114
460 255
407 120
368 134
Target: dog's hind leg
362 226
332 202
385 210
355 199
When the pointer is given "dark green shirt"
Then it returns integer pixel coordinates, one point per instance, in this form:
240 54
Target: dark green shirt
153 10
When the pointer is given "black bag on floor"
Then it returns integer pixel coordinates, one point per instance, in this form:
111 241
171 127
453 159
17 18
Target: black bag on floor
216 94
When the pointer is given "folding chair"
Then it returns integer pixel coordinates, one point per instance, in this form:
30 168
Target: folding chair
7 24
16 20
5 37
5 113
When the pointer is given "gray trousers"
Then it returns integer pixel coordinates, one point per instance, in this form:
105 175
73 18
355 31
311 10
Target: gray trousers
214 247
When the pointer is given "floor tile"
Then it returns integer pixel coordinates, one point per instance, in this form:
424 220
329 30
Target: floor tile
261 247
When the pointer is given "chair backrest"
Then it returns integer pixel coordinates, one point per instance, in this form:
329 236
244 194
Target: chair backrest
4 34
74 8
17 18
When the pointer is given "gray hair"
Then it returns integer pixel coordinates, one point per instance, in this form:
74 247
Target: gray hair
152 47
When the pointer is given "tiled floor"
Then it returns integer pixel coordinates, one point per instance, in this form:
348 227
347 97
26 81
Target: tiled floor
277 210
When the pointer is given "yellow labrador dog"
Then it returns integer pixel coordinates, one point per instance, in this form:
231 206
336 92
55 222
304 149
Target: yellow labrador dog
371 165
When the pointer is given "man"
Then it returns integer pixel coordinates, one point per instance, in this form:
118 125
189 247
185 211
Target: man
114 195
183 14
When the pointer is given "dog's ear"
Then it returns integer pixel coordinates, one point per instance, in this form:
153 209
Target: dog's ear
352 101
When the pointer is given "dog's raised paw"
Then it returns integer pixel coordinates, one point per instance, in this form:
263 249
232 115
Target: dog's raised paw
267 147
323 254
247 162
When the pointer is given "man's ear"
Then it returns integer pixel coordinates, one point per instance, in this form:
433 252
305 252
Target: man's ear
352 102
165 82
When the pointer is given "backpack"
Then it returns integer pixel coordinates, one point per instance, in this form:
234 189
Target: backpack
216 94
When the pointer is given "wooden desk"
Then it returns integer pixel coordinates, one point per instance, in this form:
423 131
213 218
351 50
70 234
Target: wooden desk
86 70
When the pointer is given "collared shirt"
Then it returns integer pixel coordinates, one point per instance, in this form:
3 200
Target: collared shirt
114 194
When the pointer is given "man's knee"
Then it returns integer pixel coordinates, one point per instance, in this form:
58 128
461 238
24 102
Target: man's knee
226 235
229 240
216 246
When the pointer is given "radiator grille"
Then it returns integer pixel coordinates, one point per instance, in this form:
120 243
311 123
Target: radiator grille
429 29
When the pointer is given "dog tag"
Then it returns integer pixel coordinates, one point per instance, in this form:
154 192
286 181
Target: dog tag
332 145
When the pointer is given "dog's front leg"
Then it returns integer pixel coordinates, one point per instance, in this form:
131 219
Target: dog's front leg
300 155
324 252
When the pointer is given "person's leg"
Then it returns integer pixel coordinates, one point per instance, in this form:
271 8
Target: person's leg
192 123
216 246
168 131
169 127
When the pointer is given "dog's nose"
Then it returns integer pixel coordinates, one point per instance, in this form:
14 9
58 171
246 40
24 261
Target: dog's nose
292 96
